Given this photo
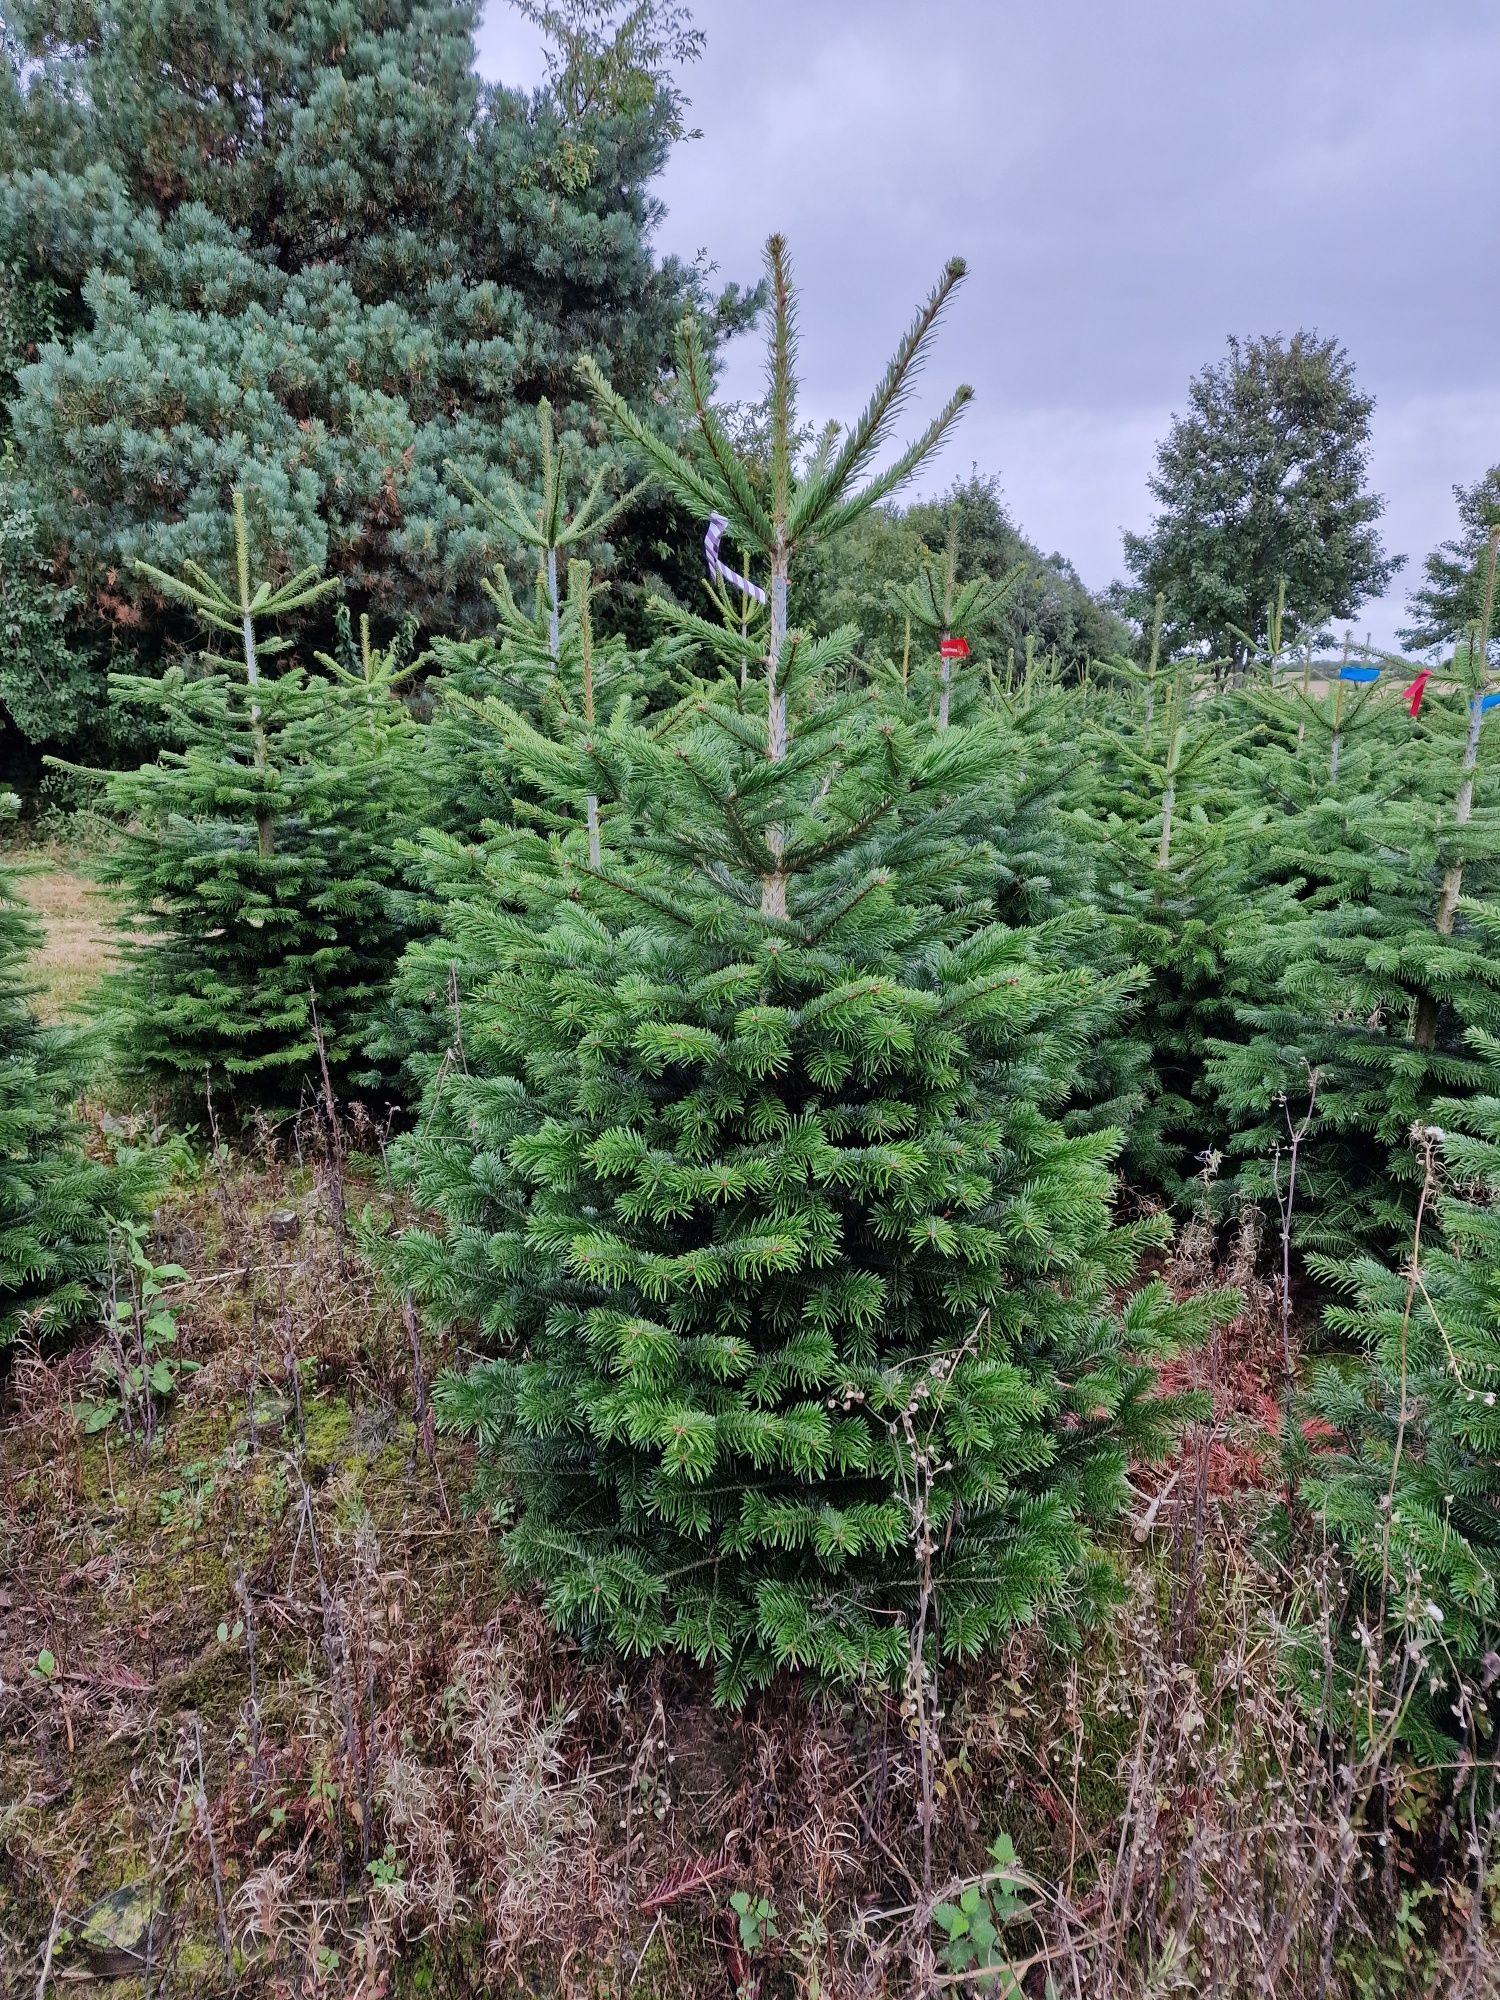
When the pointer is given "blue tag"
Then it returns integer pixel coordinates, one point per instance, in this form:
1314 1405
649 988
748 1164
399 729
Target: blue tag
1487 701
1359 673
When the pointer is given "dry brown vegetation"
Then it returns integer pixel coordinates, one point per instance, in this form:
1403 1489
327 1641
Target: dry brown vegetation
271 1721
77 938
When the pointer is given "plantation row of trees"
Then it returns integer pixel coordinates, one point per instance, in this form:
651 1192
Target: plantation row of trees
801 996
773 1016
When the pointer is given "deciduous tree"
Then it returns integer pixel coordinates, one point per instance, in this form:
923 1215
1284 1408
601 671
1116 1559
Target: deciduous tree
1450 597
1262 482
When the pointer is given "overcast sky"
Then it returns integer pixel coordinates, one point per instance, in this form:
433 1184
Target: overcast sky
1130 184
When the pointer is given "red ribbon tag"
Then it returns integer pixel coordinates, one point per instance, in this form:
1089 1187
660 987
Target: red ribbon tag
954 649
1412 695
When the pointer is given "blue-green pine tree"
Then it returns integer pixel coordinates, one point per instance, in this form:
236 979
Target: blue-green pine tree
307 251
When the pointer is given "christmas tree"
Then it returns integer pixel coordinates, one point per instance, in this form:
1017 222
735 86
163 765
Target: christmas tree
542 681
748 1166
532 663
1409 1489
945 613
1378 990
1177 850
851 580
257 855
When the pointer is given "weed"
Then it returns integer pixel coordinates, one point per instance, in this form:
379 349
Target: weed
975 1923
137 1363
756 1920
397 1767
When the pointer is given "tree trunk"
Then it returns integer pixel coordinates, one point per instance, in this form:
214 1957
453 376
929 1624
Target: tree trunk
773 884
554 612
265 828
1169 800
586 643
1424 1034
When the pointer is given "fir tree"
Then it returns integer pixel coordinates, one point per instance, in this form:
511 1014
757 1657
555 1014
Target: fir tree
1177 868
1410 1490
1450 598
1330 722
544 676
750 1149
559 523
852 579
470 786
1376 990
508 760
57 1205
1048 601
257 855
942 610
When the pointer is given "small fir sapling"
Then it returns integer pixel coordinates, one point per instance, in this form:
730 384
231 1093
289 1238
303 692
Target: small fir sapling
512 758
939 607
1407 1487
256 854
1175 840
531 660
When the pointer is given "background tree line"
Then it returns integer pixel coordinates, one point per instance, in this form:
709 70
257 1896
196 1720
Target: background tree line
305 250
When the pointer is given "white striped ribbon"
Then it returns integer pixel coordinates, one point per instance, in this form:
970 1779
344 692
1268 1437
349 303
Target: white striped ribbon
720 571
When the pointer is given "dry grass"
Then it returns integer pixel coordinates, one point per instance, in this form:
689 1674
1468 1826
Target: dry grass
78 943
294 1706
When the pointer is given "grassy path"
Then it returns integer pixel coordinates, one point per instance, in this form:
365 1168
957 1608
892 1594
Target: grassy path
77 942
